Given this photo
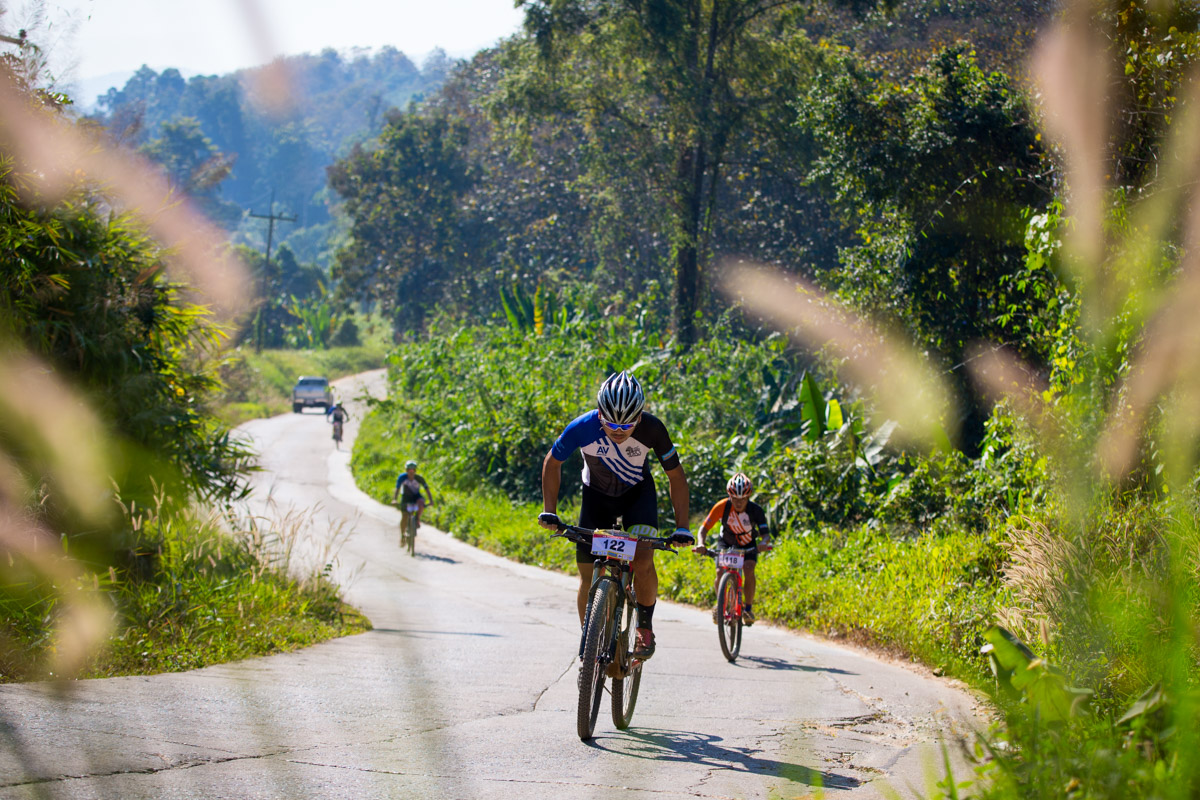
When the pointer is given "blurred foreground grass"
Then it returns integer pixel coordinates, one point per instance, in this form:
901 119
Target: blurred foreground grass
185 591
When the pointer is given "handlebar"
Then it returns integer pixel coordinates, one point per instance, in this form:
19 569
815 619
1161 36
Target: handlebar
580 535
711 553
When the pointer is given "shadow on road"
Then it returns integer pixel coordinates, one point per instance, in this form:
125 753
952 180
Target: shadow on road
766 662
664 745
440 559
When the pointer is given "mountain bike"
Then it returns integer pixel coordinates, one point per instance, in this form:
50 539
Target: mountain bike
609 629
337 433
729 597
408 526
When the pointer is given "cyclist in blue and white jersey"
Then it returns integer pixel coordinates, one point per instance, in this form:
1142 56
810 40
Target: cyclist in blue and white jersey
617 439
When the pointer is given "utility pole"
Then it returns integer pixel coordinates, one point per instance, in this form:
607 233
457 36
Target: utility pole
271 217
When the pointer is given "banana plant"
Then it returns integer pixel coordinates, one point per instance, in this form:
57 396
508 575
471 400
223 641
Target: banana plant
316 318
526 314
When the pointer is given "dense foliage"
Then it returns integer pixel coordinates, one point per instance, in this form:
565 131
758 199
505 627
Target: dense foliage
86 290
1048 259
606 155
109 369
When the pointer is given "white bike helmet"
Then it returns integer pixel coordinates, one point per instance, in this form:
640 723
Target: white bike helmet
620 399
739 486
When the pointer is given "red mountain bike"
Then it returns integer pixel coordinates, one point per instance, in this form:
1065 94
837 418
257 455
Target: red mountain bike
729 597
609 629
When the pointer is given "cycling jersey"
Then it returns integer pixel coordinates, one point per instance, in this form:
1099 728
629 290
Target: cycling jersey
610 468
737 530
410 488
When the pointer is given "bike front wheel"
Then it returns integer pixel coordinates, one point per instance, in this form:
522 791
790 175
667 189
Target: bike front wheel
591 671
412 534
625 688
729 602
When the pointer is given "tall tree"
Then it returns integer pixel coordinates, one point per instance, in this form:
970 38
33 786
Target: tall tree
663 85
194 165
404 199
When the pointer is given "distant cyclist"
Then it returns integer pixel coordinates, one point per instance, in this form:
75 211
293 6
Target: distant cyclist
616 440
337 414
411 484
742 522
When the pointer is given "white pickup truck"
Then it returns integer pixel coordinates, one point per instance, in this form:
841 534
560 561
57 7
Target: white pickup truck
311 391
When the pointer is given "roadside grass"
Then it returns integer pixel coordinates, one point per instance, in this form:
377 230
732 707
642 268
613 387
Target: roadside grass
260 384
927 598
187 593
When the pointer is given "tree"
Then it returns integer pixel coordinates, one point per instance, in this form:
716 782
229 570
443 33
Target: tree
938 173
662 85
86 292
194 165
408 223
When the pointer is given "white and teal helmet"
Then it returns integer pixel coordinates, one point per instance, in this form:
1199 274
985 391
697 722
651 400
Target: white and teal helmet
620 399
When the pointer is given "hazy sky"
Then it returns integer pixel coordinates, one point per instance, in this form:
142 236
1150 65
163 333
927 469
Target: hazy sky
216 36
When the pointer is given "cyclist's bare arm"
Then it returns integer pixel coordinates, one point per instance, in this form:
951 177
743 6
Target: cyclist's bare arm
677 486
551 480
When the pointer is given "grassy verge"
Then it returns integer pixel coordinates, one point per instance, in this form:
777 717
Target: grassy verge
928 597
185 594
260 384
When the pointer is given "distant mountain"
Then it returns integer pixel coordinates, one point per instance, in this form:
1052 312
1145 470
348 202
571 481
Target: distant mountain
87 91
218 143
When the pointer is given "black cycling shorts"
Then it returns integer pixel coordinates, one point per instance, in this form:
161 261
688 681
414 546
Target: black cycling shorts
638 506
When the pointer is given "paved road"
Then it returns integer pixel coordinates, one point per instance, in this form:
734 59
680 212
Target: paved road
466 689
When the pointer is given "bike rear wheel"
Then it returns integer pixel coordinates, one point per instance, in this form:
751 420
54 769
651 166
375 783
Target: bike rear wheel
728 604
625 689
591 670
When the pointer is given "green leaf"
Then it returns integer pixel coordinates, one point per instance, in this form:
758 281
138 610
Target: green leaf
1150 701
833 416
812 407
1018 669
509 310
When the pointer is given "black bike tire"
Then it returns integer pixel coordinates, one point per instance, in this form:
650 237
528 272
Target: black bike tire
625 690
591 671
729 629
412 534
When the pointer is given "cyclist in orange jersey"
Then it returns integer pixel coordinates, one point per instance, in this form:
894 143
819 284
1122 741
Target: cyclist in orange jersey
742 524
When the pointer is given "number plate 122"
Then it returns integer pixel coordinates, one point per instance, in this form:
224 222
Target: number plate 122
614 547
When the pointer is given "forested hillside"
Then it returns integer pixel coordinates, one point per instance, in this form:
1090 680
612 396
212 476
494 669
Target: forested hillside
615 160
221 144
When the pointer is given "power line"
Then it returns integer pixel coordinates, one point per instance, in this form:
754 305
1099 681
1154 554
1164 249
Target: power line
272 218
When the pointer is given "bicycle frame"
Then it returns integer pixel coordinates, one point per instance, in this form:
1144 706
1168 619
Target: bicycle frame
602 570
737 576
737 572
